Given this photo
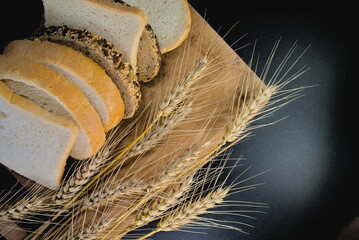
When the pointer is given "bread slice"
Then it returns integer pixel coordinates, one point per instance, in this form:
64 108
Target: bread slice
34 142
170 20
121 25
148 56
53 92
103 53
80 70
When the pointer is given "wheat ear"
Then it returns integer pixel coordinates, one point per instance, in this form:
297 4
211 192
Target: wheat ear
246 114
168 105
89 168
163 127
189 212
161 204
22 209
177 95
107 193
149 213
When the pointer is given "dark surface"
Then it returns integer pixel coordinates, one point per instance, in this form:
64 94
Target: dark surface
311 188
312 185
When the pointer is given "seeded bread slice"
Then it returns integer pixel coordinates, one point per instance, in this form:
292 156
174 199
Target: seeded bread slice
34 142
148 56
103 53
170 20
121 25
80 70
51 91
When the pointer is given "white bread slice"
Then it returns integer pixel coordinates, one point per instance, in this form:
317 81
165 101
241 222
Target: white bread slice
49 90
121 25
169 19
34 142
80 70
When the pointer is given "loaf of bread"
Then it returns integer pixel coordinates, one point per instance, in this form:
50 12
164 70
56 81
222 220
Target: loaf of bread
34 142
80 70
170 20
46 88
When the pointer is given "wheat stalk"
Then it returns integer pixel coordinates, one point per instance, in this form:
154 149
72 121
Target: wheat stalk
88 169
111 193
164 126
149 213
183 87
164 180
161 204
189 212
26 205
249 109
22 209
168 106
108 193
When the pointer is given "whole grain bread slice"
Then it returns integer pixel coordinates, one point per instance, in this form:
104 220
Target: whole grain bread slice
80 70
34 142
103 53
53 92
148 56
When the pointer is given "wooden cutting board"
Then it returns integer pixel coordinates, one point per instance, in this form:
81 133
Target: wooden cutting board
213 98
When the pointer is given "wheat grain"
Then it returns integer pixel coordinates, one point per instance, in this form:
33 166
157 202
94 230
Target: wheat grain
189 212
22 209
106 194
170 104
237 127
182 88
160 205
163 181
163 127
24 206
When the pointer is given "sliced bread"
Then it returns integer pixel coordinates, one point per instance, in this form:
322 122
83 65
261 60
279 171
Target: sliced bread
53 92
170 20
121 25
80 70
103 53
148 56
34 142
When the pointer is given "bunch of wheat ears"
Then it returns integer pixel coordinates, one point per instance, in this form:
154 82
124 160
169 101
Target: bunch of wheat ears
169 163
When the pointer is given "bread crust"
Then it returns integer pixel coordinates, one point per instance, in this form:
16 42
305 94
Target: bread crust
185 33
9 96
42 77
129 47
119 7
121 73
82 66
148 45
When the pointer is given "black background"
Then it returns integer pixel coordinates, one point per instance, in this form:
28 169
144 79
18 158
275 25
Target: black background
311 186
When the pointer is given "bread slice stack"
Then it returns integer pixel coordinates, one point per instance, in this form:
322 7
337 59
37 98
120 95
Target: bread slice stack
64 87
27 145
